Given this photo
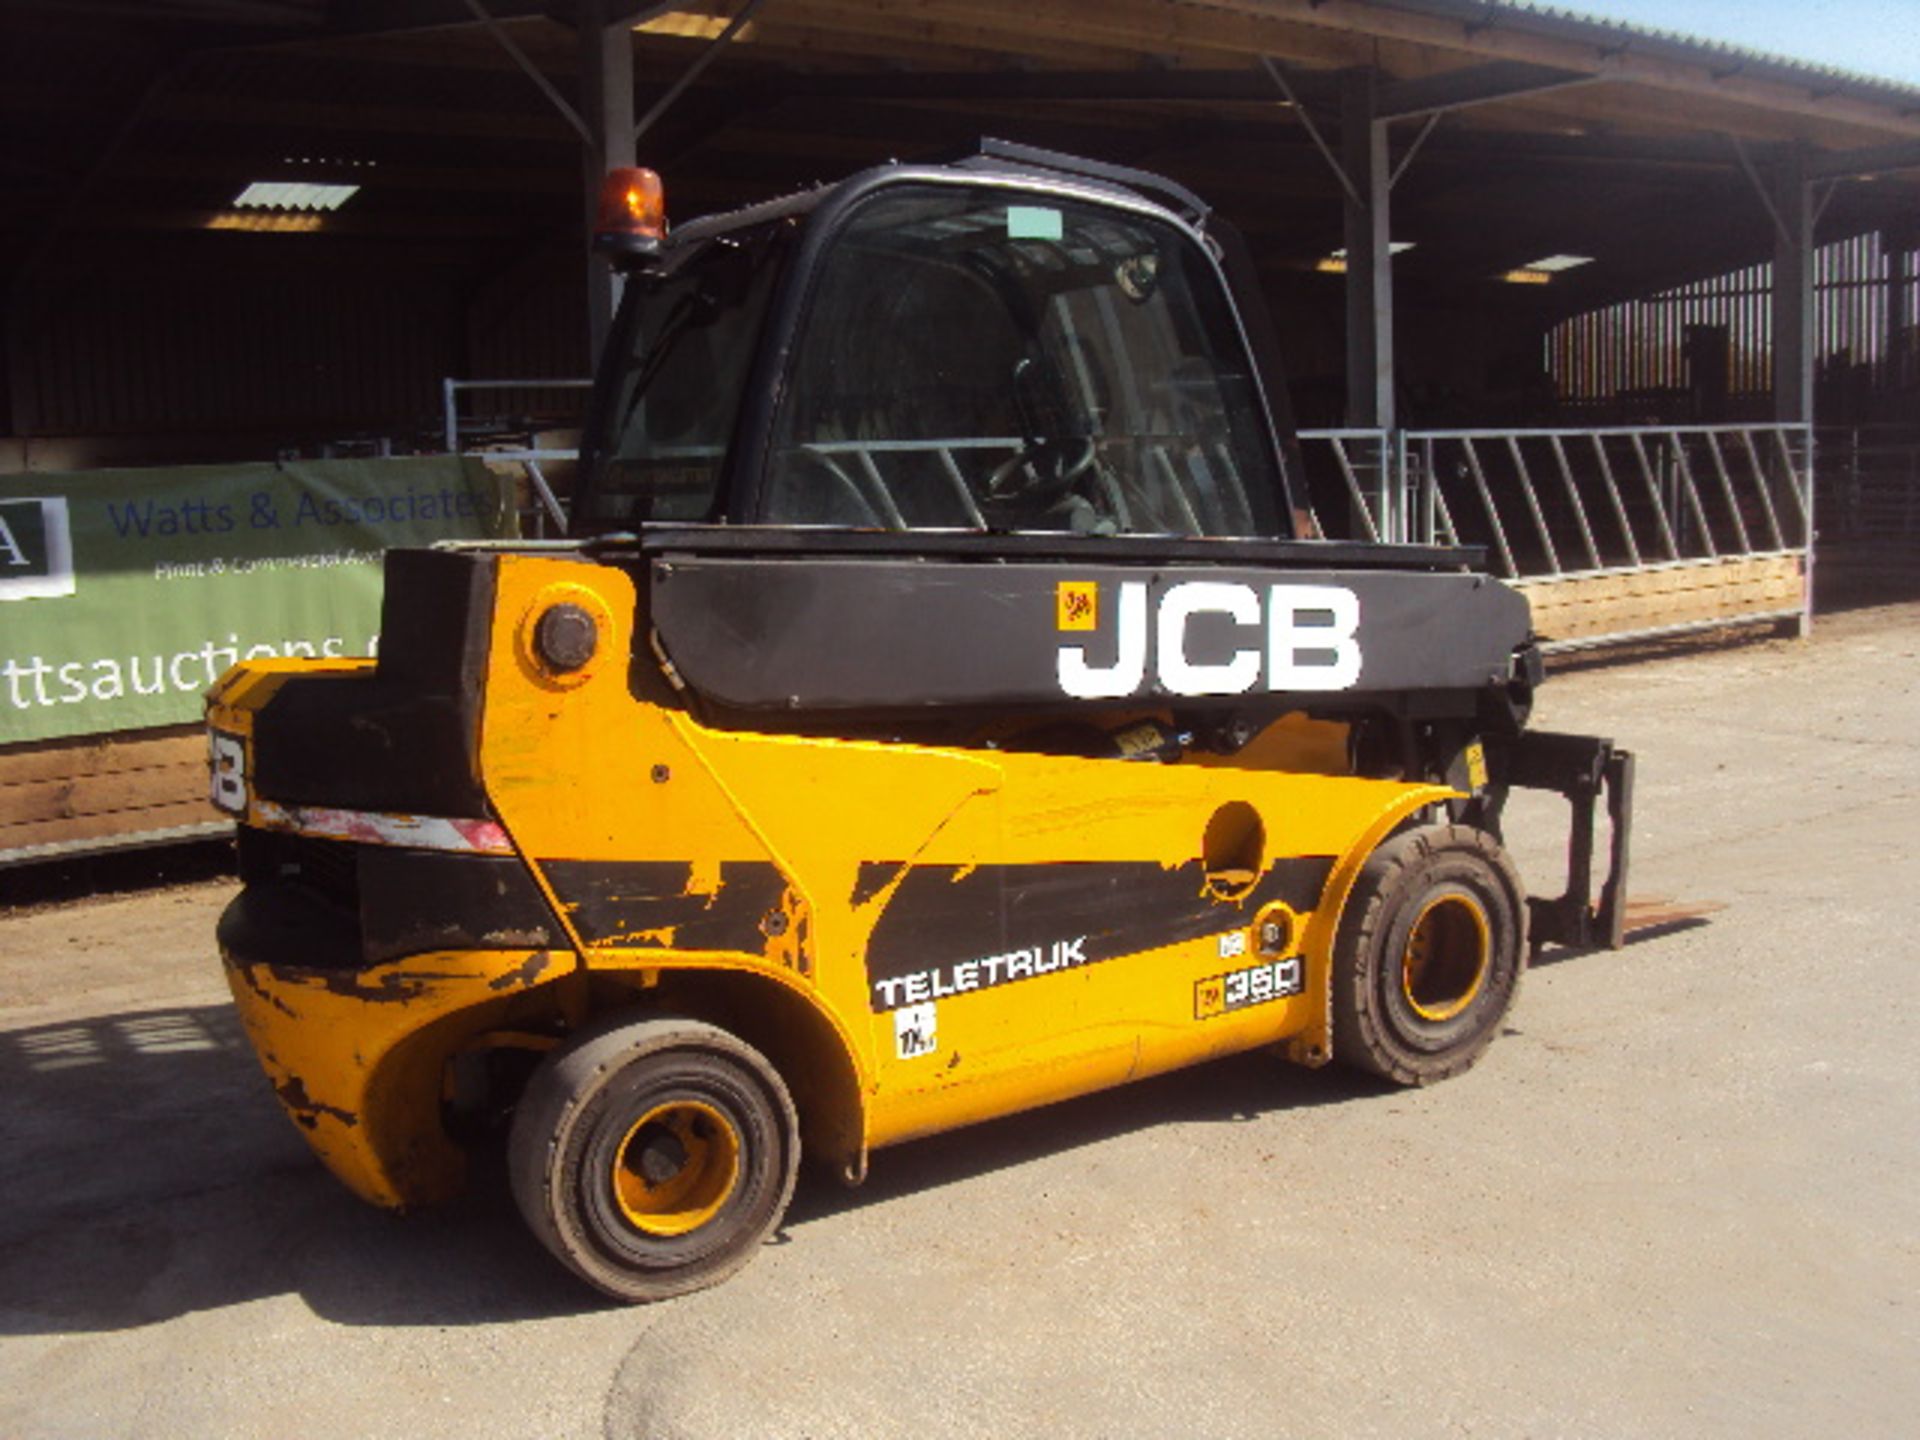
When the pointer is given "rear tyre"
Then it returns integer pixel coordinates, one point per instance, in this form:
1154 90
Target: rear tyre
1429 954
654 1157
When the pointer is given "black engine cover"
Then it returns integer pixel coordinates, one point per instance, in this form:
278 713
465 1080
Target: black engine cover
835 634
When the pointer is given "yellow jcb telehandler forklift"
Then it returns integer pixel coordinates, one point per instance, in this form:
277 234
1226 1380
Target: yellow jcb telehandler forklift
931 715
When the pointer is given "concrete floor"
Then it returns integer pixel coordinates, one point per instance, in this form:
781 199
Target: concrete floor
1678 1198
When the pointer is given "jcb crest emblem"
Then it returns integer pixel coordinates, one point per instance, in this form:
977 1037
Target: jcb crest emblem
1077 603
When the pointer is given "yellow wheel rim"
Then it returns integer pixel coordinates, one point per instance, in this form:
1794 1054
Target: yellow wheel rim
676 1167
1445 960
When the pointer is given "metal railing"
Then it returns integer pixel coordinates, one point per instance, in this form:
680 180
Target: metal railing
1581 505
1354 474
1547 504
1690 508
1564 502
451 390
547 508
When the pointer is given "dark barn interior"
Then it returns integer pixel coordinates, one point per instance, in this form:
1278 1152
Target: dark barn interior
1635 315
150 319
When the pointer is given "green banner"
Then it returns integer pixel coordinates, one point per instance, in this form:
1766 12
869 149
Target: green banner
125 593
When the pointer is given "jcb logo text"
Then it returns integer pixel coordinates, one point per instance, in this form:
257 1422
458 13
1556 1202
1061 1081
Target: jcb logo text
1292 637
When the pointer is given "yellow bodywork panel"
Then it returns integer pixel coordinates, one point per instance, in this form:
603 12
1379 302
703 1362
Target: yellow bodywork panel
616 802
358 1059
927 936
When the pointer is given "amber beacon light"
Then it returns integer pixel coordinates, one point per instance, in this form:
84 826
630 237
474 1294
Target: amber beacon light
633 214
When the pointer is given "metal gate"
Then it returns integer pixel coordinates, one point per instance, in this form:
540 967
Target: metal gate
1614 534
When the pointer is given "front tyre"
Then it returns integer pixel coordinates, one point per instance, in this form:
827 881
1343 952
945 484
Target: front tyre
1429 954
653 1157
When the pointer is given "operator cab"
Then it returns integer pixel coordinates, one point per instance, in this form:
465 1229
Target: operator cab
1010 403
991 347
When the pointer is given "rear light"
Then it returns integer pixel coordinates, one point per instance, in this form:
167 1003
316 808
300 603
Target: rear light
633 214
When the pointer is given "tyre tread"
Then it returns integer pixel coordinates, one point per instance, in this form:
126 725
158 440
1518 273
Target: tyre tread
1360 1034
534 1144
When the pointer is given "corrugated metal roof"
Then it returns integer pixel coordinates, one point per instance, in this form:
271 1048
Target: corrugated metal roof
1575 23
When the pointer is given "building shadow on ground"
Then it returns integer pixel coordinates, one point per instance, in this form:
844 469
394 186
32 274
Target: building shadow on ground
150 1174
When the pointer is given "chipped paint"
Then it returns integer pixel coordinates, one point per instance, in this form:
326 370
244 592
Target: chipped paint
394 987
305 1110
350 1037
529 972
245 974
508 939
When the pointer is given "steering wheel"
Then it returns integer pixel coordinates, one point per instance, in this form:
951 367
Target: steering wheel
1021 475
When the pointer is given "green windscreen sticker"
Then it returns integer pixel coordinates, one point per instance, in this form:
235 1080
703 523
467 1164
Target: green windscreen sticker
1033 222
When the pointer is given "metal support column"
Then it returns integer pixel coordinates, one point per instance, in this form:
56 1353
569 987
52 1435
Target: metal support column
1793 290
606 104
1364 157
1894 246
1793 333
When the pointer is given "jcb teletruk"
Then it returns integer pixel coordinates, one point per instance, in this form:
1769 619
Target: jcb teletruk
934 713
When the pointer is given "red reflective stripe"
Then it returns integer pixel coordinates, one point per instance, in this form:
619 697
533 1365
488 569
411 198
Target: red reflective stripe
484 834
375 827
